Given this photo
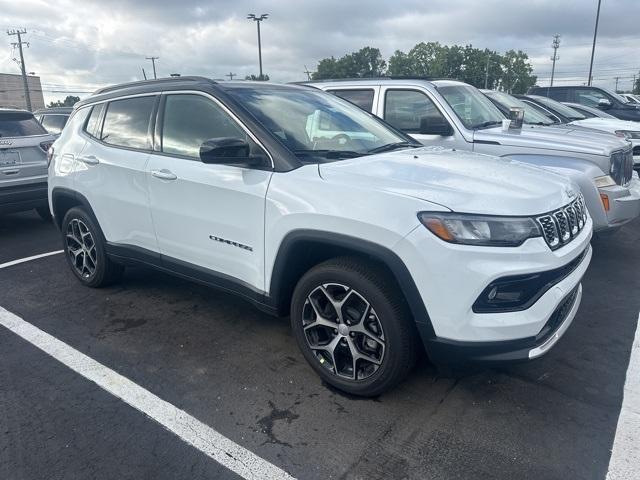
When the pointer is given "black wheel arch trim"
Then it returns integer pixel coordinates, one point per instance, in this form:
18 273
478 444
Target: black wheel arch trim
279 288
60 193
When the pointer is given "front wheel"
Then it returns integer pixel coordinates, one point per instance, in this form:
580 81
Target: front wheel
84 247
353 326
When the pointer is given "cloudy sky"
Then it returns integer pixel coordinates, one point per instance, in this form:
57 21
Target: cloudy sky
79 45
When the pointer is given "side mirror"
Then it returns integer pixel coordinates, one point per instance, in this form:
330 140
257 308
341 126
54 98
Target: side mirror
228 151
604 103
516 115
435 126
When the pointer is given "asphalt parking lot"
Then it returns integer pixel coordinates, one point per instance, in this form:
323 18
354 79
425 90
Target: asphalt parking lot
240 372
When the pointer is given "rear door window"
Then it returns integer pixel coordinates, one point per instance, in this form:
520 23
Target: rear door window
92 126
54 123
361 97
19 124
559 94
127 121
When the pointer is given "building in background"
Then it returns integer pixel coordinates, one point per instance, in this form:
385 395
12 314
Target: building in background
12 91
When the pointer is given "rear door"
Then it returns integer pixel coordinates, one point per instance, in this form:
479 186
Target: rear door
208 216
110 171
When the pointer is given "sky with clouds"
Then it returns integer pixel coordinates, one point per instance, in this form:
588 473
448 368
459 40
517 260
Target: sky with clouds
79 45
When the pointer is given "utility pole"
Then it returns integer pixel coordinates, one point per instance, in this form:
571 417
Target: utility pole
593 49
486 72
617 78
19 43
153 61
230 75
144 74
306 70
555 45
258 20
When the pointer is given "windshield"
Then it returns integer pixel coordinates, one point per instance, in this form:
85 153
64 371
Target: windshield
314 123
472 107
531 115
561 108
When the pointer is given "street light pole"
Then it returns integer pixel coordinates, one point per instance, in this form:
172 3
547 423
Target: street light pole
259 19
593 49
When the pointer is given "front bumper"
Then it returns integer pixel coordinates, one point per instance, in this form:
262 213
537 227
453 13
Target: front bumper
18 198
624 205
451 277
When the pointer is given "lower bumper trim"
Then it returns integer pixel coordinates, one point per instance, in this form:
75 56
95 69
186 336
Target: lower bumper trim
451 352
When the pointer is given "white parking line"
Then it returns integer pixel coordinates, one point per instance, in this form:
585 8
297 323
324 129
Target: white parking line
189 429
28 259
625 456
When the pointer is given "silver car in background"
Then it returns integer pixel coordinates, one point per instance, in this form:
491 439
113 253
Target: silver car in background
453 114
24 144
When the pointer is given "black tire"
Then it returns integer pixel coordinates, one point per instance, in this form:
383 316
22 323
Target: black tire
44 212
372 284
105 272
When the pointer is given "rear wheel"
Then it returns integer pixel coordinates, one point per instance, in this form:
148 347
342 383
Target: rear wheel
84 248
353 326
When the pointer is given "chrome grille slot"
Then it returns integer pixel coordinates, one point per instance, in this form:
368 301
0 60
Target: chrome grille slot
549 230
563 225
572 218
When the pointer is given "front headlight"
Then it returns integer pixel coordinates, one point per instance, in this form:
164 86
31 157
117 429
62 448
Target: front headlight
628 134
468 229
604 181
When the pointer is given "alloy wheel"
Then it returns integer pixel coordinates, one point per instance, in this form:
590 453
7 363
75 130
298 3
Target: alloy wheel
343 331
81 248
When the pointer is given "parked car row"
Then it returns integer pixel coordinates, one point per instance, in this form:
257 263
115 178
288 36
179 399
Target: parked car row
382 222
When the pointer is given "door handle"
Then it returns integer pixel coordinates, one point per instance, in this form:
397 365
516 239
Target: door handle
89 159
164 174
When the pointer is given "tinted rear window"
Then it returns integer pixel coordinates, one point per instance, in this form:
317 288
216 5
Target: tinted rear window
19 124
126 123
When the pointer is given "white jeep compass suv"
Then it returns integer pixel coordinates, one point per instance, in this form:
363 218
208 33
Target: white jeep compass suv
306 205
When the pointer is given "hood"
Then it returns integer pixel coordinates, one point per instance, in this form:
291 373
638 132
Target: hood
608 124
460 181
569 140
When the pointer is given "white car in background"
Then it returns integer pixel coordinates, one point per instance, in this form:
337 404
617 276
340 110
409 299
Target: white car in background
631 97
599 120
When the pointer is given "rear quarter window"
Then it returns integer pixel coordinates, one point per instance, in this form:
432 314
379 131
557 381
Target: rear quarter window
361 97
19 124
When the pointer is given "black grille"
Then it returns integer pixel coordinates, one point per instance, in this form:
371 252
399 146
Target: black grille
622 166
561 226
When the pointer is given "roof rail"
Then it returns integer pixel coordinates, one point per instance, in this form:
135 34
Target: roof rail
139 83
382 77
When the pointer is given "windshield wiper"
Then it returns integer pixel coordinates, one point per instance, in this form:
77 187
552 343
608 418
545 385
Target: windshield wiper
330 154
392 146
489 123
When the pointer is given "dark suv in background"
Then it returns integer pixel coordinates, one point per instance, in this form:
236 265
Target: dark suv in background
601 98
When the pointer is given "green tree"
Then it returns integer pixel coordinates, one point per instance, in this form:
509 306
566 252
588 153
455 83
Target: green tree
400 64
636 86
517 72
70 101
365 63
265 77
